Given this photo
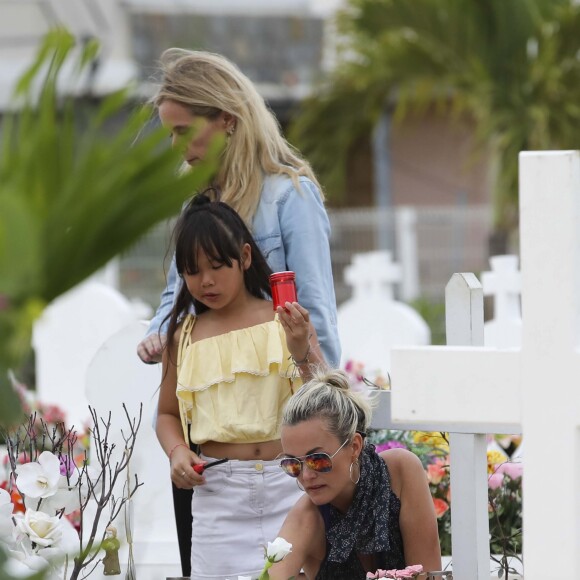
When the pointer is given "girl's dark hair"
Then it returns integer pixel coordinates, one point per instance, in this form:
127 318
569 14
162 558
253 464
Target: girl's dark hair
217 230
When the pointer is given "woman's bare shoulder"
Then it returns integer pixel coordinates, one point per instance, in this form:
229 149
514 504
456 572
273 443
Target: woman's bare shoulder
402 465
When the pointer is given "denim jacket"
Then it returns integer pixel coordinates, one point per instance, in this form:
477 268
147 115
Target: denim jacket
292 230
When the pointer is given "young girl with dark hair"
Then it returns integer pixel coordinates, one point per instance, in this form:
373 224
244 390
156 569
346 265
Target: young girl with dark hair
228 371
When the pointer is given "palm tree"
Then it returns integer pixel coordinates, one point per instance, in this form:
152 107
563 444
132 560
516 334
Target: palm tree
512 66
71 200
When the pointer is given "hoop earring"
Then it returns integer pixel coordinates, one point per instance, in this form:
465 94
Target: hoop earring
299 486
355 462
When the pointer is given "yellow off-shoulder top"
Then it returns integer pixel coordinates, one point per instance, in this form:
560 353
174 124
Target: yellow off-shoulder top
232 388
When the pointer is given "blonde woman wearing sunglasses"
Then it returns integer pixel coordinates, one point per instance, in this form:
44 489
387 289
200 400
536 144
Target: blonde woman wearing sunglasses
362 510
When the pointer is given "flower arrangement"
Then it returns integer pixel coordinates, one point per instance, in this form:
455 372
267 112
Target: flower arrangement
415 571
504 485
56 508
359 382
432 448
408 572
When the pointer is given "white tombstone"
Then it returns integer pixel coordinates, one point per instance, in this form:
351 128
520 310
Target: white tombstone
117 376
66 338
536 386
372 321
503 282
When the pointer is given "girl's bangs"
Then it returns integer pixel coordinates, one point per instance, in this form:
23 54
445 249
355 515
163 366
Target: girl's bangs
209 236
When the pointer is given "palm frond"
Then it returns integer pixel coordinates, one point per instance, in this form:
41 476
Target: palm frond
74 193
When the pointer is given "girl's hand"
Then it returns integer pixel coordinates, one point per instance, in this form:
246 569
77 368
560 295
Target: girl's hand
295 321
182 473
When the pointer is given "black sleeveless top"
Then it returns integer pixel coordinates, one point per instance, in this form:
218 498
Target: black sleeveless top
375 509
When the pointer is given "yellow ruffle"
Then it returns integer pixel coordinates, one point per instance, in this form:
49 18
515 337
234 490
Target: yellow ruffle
222 361
254 350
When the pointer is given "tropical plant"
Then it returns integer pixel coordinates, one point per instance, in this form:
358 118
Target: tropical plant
512 67
73 196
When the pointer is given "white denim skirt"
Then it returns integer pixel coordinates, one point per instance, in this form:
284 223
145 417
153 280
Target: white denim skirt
239 509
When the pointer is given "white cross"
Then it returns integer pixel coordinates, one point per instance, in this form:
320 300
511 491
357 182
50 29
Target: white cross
504 284
537 386
373 274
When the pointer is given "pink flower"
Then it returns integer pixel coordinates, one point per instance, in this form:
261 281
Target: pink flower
495 480
390 445
441 506
416 568
67 465
378 574
405 574
511 469
436 471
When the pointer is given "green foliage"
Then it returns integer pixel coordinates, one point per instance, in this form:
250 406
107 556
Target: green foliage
433 313
511 66
73 196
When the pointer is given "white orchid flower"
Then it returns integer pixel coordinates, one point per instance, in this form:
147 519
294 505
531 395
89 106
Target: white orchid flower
42 529
69 494
278 550
6 523
21 563
39 479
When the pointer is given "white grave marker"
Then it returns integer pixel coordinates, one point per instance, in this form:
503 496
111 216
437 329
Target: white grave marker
66 338
504 283
117 376
372 321
537 386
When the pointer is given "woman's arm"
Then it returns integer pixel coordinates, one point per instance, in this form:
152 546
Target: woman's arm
304 529
151 347
305 232
417 519
168 427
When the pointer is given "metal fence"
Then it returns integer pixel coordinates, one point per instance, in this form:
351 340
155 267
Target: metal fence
443 240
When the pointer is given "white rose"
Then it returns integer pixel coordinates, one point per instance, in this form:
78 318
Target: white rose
39 478
42 529
278 550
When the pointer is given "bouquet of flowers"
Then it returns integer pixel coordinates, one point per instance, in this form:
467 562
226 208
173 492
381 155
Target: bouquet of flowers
50 486
504 484
408 572
415 571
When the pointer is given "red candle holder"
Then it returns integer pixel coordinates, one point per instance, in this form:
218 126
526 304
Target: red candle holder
283 285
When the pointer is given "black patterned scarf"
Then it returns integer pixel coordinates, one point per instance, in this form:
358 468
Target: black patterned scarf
365 527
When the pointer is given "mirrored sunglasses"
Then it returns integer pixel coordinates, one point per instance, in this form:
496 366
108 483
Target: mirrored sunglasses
319 462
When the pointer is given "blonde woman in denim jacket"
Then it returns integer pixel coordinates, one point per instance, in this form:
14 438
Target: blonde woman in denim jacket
261 176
